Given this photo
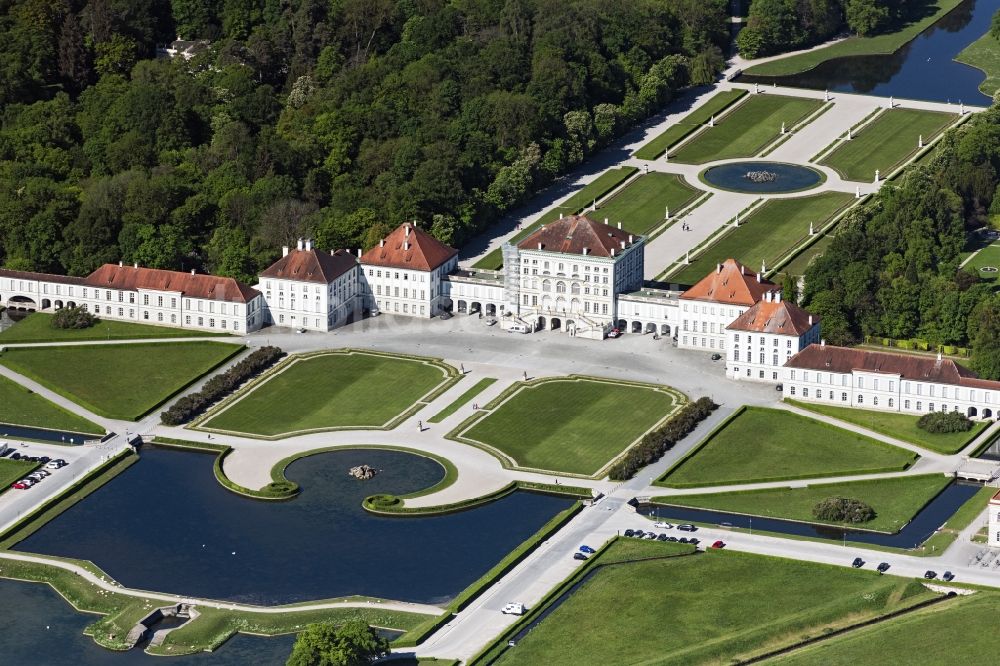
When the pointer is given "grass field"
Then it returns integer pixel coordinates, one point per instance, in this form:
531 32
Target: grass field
716 607
641 206
989 256
984 54
798 265
595 189
901 426
571 425
914 639
858 46
336 390
886 142
747 129
768 234
37 327
461 400
714 105
959 520
119 381
12 470
895 500
19 406
771 444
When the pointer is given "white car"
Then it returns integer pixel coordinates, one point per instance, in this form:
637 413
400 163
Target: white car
515 608
663 526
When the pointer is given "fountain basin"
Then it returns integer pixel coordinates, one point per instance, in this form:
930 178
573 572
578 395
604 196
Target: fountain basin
757 177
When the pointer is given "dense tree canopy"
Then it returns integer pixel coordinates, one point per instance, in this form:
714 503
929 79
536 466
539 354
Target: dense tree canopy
335 118
353 643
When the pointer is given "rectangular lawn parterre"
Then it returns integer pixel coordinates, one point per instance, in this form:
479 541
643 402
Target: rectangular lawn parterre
37 327
641 207
716 607
748 129
329 391
895 500
886 142
573 425
119 381
768 234
758 445
713 106
19 406
900 426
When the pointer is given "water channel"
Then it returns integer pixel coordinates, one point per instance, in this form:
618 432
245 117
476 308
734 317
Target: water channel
15 432
924 69
167 525
930 518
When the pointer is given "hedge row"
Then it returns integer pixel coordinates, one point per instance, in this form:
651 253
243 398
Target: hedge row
656 443
917 344
220 386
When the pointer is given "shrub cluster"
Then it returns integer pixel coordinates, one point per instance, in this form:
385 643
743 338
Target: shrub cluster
382 501
942 422
656 443
68 318
843 510
220 386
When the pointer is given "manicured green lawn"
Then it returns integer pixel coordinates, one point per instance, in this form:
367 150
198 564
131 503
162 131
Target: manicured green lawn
19 406
960 631
641 207
886 142
747 129
988 257
895 500
900 426
716 607
595 189
768 234
335 390
478 388
760 445
37 327
713 106
12 470
572 425
859 46
119 381
984 54
798 265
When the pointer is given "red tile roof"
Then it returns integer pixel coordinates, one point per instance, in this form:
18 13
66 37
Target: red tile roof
576 233
730 283
193 285
907 366
44 277
775 316
311 266
409 246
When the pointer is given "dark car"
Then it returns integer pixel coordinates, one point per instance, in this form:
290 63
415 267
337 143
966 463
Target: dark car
948 576
444 315
716 356
883 567
858 563
694 541
687 528
629 533
662 537
587 549
579 556
683 540
930 574
673 539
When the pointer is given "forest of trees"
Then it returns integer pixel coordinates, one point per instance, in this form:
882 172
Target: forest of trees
333 118
892 270
776 26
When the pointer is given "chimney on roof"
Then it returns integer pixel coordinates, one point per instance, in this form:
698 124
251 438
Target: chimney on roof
309 244
743 269
612 252
192 271
407 230
758 277
939 353
299 245
539 245
406 244
359 253
135 264
284 250
619 225
560 216
606 221
585 251
718 268
630 238
623 245
822 342
810 320
777 297
767 297
381 242
120 264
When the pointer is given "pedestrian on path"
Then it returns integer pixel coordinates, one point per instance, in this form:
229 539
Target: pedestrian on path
420 426
525 375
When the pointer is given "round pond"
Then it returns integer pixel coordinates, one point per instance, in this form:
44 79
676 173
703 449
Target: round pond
762 177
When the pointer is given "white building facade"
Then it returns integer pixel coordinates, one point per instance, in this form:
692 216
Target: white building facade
993 538
765 337
707 308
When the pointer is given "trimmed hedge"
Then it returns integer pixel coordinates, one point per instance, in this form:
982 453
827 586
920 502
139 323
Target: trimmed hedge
944 422
72 318
220 386
654 444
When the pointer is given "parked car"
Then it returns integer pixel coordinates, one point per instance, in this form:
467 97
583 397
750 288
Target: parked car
20 485
672 539
513 608
719 544
579 556
716 356
638 534
587 549
444 315
629 533
663 526
694 541
882 568
948 576
52 465
662 537
614 333
930 574
687 528
858 563
650 535
779 388
491 321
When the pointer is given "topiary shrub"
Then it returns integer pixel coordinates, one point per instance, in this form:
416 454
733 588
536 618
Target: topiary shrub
382 501
72 318
944 422
843 510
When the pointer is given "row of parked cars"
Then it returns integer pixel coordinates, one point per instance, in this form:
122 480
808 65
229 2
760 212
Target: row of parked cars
49 466
653 536
884 566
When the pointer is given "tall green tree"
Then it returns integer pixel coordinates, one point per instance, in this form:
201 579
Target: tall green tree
353 643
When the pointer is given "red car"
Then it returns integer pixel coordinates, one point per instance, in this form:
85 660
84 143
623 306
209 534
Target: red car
719 544
20 485
614 333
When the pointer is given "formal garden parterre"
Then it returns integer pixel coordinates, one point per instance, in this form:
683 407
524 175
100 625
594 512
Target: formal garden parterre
703 115
642 206
37 327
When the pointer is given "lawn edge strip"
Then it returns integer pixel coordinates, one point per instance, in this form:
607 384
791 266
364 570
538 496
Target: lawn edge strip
790 131
72 494
836 143
510 463
498 645
451 377
808 241
461 400
740 93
